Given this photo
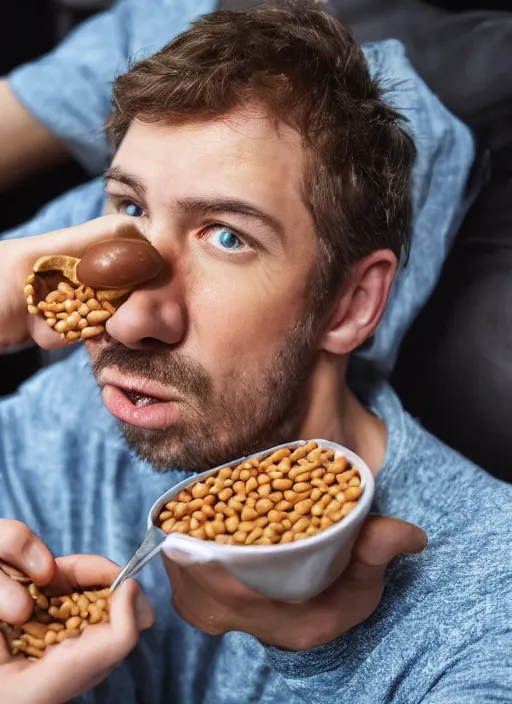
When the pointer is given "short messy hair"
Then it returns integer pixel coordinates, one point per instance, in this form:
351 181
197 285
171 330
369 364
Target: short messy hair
305 68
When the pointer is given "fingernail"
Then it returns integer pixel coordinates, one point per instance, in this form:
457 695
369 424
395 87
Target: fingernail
425 542
143 612
35 560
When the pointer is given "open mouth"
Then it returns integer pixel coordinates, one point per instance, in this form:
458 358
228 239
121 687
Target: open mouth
140 400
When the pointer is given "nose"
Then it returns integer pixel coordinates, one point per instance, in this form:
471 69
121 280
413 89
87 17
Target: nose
149 318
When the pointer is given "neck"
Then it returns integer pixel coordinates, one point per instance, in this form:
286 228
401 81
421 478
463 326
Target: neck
335 413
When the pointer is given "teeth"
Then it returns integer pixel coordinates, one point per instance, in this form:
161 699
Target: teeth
140 400
144 401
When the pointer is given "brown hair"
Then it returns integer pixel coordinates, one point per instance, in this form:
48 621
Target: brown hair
307 70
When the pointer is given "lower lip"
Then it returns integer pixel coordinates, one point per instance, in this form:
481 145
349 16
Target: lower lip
155 415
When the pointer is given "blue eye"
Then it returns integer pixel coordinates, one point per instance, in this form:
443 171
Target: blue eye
133 210
228 240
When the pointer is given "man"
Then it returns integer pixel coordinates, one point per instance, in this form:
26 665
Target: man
256 154
58 104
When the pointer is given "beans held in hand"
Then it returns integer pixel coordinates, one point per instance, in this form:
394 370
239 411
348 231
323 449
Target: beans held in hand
54 618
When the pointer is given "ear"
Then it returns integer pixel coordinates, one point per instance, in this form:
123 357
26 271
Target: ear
361 303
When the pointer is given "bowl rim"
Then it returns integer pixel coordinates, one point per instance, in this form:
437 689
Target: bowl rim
361 509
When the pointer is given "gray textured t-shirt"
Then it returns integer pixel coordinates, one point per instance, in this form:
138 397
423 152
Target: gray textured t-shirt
441 635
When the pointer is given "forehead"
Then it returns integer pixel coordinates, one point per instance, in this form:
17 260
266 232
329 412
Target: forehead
244 154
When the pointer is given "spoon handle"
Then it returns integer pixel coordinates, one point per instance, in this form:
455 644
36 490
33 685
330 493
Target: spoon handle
147 550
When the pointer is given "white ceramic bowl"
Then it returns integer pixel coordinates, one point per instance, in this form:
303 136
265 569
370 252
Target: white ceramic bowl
288 571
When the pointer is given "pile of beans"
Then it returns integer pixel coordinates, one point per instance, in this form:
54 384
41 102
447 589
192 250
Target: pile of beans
55 619
287 496
74 312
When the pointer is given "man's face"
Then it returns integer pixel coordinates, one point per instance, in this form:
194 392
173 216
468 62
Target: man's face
209 364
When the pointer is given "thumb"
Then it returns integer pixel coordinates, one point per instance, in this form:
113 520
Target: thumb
381 539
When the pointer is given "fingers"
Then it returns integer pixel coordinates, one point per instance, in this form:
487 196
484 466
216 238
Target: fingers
69 668
81 572
381 539
75 240
42 334
20 547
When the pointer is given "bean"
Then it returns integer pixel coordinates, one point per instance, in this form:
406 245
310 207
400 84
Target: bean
264 490
180 509
199 516
339 465
274 516
73 623
276 496
50 638
232 524
225 494
92 331
254 535
239 487
251 484
208 511
347 508
224 539
282 484
199 533
61 326
96 317
194 505
301 487
199 490
249 514
263 506
303 506
246 526
278 455
317 509
240 536
301 525
355 481
282 505
315 454
263 479
345 476
304 477
275 474
235 503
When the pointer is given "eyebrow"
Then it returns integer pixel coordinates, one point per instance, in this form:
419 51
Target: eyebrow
215 204
114 173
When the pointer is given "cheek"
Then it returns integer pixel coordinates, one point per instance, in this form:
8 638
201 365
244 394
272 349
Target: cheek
232 321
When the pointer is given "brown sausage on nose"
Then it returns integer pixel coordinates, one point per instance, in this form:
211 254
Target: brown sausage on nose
119 264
